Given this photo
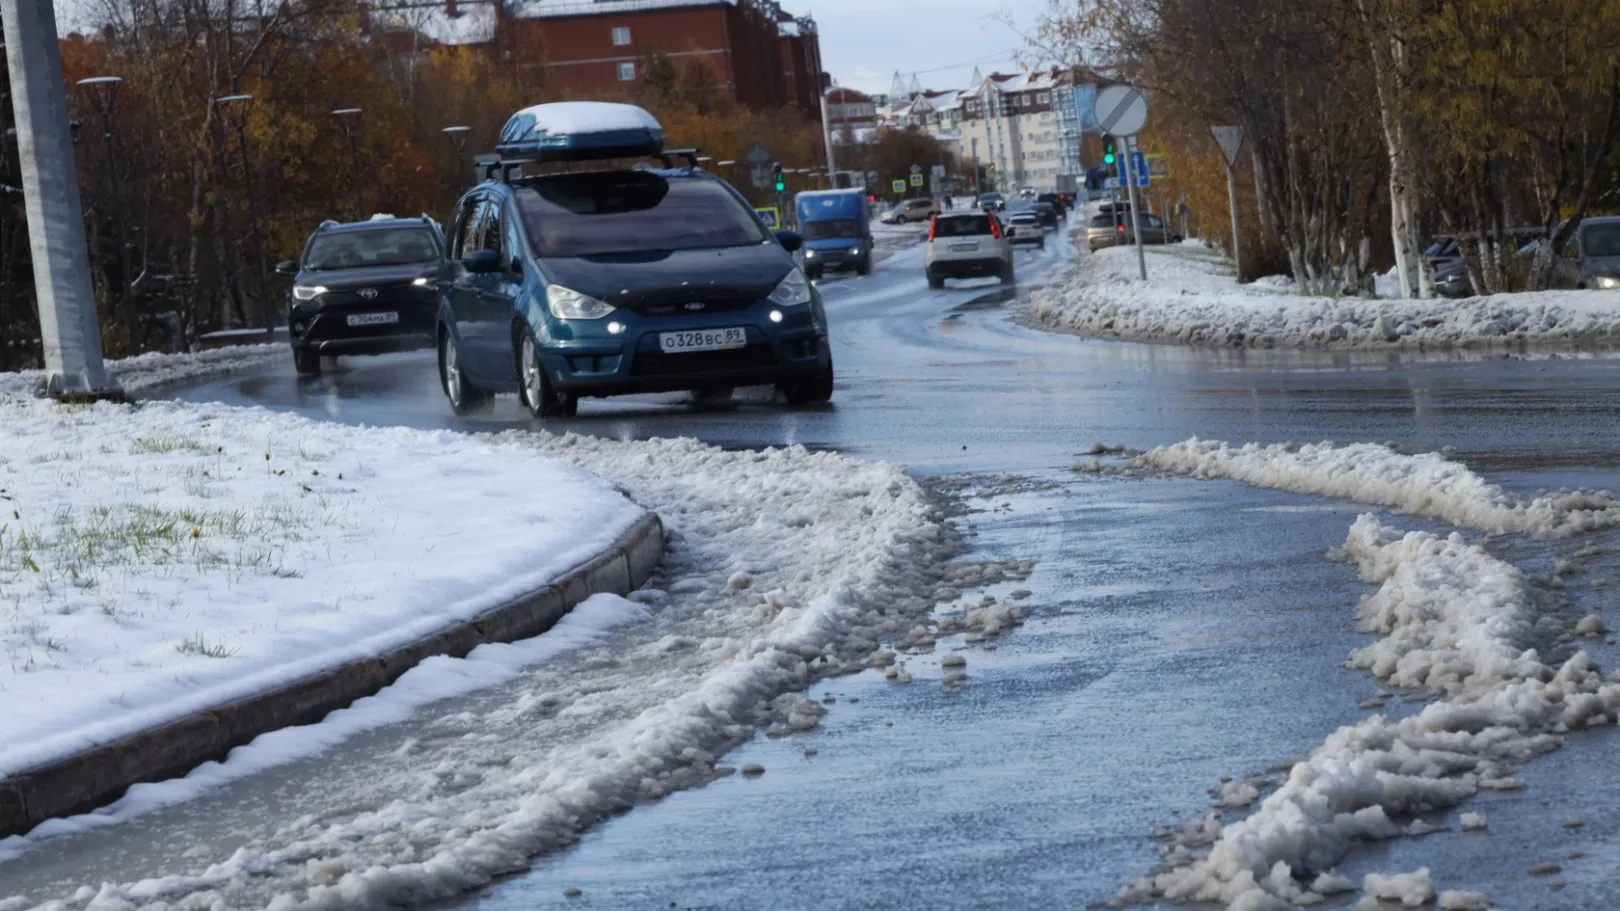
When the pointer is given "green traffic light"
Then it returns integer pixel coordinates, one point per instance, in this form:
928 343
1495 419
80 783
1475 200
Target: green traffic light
1109 158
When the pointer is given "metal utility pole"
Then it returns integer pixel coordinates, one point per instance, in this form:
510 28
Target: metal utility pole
1136 210
225 104
103 92
458 141
826 138
67 305
348 121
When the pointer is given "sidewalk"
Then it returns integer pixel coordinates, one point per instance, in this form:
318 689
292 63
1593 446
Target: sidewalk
1192 298
217 572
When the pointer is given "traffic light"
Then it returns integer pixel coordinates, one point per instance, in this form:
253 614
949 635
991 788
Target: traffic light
1108 150
781 182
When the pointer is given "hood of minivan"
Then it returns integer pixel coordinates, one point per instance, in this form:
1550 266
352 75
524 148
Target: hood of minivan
370 276
662 277
1594 266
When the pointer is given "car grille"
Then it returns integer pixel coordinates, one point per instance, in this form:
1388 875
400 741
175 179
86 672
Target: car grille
679 309
657 363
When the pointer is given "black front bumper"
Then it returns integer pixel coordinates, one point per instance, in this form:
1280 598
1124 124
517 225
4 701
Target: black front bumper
325 329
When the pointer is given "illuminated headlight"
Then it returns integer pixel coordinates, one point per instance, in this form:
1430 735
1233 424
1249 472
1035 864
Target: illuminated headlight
809 254
1607 282
793 291
308 292
566 303
615 328
422 282
854 251
775 315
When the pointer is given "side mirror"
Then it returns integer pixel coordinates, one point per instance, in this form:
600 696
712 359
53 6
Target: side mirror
791 241
287 267
481 262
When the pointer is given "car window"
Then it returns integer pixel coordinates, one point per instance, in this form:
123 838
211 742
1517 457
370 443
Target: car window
1153 221
467 227
832 227
1102 221
962 226
372 247
632 212
489 234
1601 240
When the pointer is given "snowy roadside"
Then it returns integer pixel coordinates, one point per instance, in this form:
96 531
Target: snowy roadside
783 566
146 373
1456 625
1191 298
162 559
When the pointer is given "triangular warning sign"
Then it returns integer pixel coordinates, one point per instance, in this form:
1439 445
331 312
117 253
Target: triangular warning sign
1230 139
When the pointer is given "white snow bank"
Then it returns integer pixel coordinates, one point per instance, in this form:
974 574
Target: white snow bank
1413 889
162 559
1454 613
1193 299
1425 485
146 372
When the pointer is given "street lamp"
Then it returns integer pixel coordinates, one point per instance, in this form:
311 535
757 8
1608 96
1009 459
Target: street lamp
103 94
458 141
826 135
225 105
349 121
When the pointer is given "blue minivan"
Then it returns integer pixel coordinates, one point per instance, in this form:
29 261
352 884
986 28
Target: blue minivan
596 282
837 230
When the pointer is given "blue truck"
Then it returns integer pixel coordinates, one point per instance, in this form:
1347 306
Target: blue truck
837 230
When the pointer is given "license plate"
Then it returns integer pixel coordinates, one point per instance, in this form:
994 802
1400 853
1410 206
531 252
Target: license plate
702 340
373 319
963 248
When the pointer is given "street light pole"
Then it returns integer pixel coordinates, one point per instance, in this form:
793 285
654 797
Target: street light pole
224 104
67 306
348 121
458 140
826 138
103 92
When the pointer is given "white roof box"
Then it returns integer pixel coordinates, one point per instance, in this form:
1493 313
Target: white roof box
580 131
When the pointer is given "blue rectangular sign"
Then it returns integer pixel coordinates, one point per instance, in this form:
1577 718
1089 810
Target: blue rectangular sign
1139 165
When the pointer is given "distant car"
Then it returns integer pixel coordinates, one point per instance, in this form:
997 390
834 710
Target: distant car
912 210
368 287
1111 227
992 201
1048 214
1057 202
969 245
837 229
621 279
1028 230
1594 253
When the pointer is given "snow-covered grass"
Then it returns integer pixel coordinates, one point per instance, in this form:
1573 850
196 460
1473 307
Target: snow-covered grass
1191 297
783 565
1427 484
148 372
1456 624
162 559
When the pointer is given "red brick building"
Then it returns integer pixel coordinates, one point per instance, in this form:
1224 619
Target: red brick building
763 56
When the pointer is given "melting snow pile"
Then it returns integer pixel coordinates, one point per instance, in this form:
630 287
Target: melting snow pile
1456 623
1424 485
146 372
1191 298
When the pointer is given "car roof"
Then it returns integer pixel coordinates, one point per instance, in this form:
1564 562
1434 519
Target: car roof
373 224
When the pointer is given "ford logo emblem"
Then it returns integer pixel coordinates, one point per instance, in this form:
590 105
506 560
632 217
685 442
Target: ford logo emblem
695 305
368 293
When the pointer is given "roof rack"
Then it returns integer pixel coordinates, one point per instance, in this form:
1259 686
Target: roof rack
491 166
668 156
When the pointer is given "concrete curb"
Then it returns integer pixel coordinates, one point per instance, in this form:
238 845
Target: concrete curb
101 774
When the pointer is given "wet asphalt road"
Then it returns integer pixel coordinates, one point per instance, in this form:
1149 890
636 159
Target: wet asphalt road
1179 632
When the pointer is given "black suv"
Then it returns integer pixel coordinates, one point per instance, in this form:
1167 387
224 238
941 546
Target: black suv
369 287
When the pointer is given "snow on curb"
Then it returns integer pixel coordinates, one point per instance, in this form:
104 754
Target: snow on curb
146 373
1455 618
1424 485
1187 300
166 560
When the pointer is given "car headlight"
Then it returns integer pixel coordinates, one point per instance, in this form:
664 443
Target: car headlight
308 292
809 254
566 303
1606 282
422 282
794 290
854 251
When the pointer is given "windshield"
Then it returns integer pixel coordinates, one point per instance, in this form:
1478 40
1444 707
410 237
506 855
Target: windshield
632 212
378 247
1601 240
832 227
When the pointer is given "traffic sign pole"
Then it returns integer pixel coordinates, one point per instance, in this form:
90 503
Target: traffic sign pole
1230 139
1136 215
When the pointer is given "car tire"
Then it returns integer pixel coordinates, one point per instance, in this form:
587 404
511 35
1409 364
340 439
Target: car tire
1041 245
865 267
535 392
1007 275
306 362
464 397
817 390
935 280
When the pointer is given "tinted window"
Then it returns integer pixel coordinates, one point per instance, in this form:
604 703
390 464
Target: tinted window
632 212
489 232
835 227
375 247
466 230
1601 240
962 226
1102 221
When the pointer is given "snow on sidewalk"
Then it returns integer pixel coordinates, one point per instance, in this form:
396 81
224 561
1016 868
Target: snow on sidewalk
147 372
1427 484
1191 297
161 559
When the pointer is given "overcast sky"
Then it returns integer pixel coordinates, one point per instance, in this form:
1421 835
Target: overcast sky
863 42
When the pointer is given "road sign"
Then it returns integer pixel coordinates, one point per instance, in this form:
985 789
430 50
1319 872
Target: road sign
939 171
771 216
759 167
1139 168
1121 110
916 180
1158 167
1112 183
1230 139
872 178
899 186
916 169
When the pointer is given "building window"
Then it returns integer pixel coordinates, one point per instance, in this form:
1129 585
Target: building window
1046 98
621 37
627 72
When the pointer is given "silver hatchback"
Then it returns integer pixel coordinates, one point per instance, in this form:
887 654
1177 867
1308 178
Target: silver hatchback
969 245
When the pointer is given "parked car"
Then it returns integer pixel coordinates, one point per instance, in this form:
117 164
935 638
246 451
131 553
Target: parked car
618 280
969 245
1106 230
1026 224
912 210
992 201
1449 272
837 229
369 287
1593 254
